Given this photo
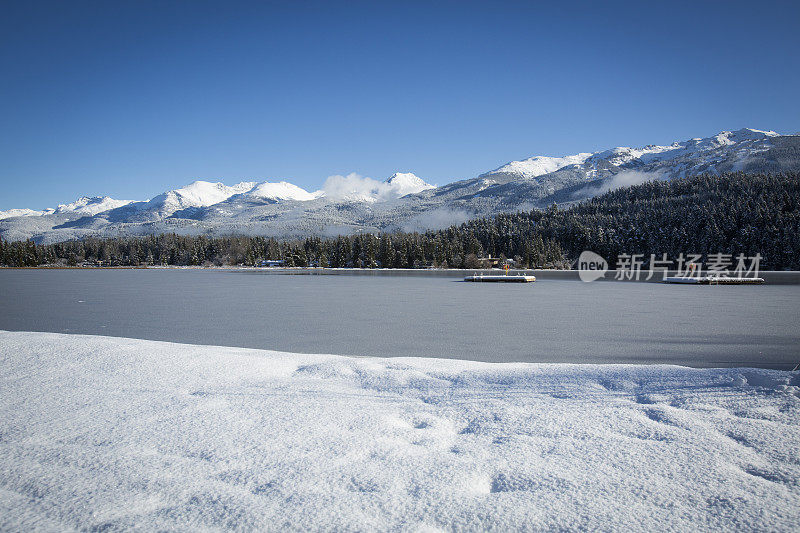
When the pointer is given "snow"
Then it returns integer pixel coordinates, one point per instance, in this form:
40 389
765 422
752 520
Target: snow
85 206
728 138
357 188
404 183
540 165
697 149
11 213
197 194
91 205
111 433
281 191
623 155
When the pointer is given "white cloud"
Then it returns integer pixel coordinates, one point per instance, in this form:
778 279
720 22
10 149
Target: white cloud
355 187
436 219
625 178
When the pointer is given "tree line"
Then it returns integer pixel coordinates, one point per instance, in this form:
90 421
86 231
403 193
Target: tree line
732 214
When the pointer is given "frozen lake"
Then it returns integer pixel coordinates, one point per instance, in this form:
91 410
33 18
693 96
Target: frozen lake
546 321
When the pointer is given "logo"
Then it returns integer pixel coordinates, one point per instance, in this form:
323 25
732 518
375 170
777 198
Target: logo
591 266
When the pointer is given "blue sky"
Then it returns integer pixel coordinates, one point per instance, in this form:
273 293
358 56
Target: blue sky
131 98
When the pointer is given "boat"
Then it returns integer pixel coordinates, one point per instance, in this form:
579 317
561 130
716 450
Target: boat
506 278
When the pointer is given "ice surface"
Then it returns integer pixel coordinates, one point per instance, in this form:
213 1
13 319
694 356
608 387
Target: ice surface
107 433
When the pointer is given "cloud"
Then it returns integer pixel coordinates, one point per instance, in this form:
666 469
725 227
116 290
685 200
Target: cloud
355 187
436 219
626 178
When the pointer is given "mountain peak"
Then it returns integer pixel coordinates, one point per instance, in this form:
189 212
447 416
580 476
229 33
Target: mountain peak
282 190
91 205
354 203
197 194
700 149
767 133
404 183
744 134
539 165
11 213
200 188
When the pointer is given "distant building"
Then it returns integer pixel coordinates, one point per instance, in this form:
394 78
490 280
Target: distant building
497 262
491 262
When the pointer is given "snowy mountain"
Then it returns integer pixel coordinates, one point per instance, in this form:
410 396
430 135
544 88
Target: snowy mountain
688 157
405 183
282 191
728 151
356 188
23 213
355 203
539 165
197 194
91 206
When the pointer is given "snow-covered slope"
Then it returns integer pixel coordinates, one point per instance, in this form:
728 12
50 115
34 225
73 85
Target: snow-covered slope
727 151
196 194
538 165
354 203
23 213
694 153
84 206
282 191
102 433
91 206
405 183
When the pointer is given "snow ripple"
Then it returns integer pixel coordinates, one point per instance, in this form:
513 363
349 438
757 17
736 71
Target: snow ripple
111 433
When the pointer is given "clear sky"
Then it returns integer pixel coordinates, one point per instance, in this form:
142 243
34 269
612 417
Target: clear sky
131 98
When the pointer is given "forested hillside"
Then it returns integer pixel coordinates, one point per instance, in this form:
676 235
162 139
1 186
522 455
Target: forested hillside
732 213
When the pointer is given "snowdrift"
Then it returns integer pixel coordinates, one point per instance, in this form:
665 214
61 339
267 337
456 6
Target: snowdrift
108 433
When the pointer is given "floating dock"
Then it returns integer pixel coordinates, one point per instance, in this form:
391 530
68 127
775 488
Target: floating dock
713 280
499 278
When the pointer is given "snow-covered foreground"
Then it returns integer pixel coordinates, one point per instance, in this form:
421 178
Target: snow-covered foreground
99 432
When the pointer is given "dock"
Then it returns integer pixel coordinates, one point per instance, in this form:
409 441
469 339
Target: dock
499 278
713 280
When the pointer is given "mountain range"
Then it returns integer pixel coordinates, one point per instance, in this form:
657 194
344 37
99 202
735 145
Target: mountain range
352 203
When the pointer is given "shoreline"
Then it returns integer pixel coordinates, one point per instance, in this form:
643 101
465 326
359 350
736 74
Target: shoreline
773 277
442 361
